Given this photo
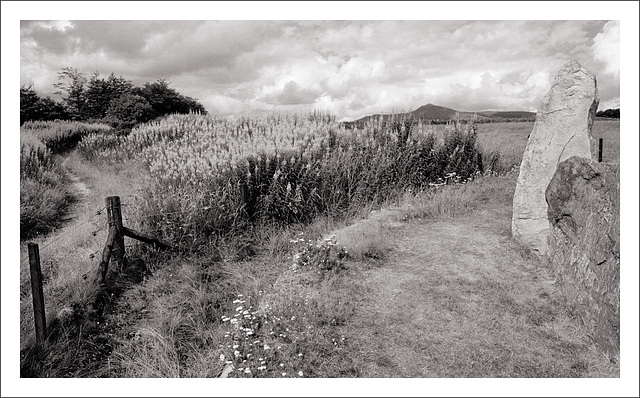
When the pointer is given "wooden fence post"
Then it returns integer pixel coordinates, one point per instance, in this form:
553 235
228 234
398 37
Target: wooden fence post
600 150
106 254
114 216
36 291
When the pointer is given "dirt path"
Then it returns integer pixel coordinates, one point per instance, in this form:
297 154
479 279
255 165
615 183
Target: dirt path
80 188
457 298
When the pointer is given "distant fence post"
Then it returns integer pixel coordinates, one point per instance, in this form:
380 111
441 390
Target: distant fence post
114 216
600 150
36 291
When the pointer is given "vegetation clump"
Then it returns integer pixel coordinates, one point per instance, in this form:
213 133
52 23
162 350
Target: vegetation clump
225 176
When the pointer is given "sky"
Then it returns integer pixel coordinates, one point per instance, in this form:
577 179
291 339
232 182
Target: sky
351 68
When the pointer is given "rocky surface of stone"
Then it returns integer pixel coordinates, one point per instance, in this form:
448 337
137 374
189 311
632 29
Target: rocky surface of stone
562 129
584 243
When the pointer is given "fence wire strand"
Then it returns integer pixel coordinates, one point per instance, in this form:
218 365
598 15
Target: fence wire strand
105 225
66 233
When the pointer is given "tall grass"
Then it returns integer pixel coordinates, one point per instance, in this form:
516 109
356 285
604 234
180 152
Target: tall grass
215 176
61 136
44 191
43 194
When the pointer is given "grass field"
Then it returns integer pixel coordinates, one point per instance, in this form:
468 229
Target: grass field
301 295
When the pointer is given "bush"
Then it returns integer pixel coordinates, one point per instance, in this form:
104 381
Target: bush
128 110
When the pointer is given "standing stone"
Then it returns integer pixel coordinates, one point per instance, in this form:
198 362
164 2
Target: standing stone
584 244
562 129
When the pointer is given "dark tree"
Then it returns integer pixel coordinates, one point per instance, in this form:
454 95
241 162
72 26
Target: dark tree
117 101
33 107
165 100
128 110
71 88
610 113
100 93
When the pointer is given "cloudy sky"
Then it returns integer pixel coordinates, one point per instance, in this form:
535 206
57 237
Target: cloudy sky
351 68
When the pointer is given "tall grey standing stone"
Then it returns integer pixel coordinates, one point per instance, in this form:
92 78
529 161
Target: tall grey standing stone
562 129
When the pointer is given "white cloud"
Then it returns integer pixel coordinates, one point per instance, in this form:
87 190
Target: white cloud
606 47
354 67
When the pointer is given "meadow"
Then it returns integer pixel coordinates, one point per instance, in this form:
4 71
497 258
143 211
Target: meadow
256 283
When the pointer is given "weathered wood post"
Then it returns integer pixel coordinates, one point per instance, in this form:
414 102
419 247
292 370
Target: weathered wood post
600 150
106 254
36 292
114 216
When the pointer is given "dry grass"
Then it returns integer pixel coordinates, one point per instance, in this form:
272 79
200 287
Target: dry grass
458 298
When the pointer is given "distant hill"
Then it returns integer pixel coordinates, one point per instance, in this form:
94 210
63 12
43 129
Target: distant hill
442 114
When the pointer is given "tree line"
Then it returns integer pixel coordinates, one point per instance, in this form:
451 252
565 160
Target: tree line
112 100
610 113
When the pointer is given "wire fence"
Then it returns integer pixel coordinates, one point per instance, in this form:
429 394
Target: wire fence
101 226
84 238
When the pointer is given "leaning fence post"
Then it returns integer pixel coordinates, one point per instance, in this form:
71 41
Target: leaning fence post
114 216
36 292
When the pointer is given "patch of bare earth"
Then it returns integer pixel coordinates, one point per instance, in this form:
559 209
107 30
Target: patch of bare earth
458 298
